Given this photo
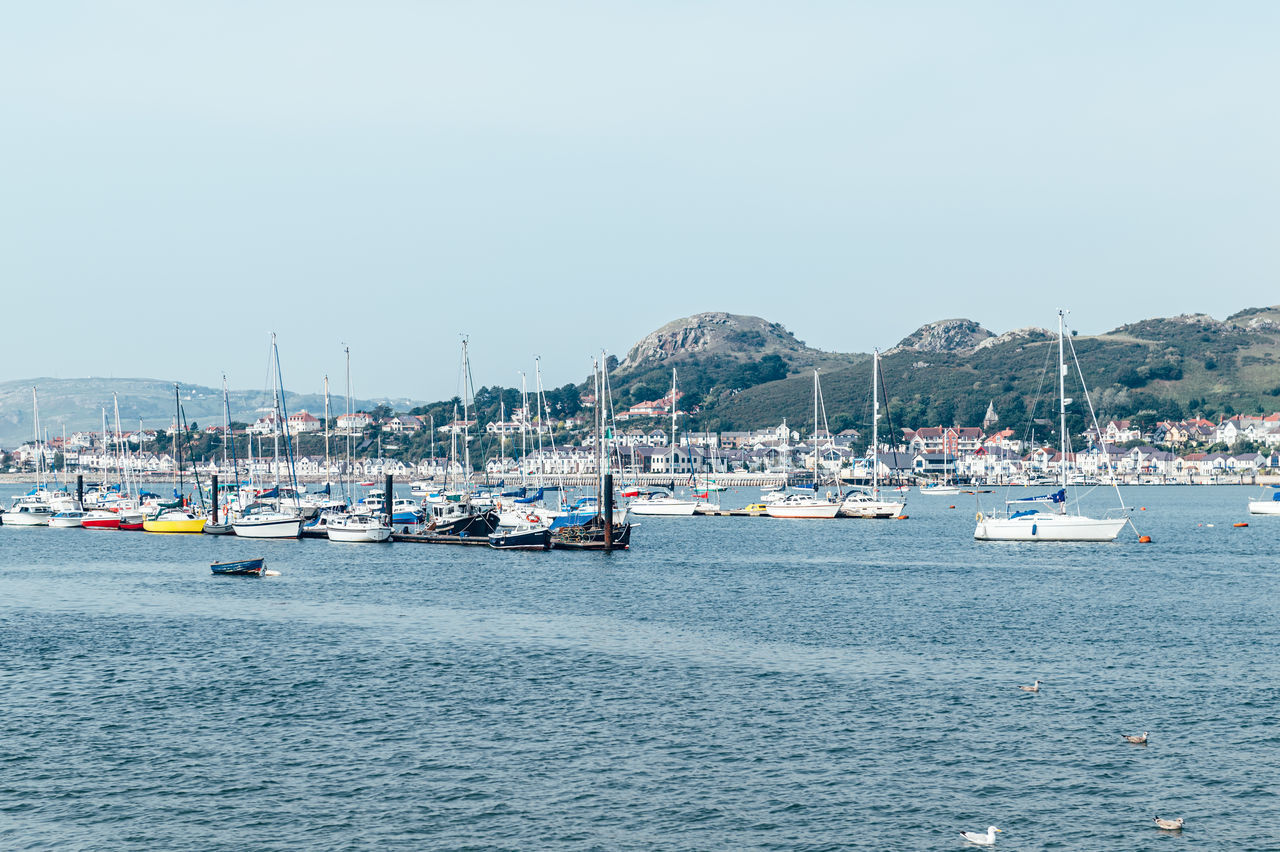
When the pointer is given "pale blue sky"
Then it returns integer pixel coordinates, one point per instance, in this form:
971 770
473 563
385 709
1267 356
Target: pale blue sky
555 178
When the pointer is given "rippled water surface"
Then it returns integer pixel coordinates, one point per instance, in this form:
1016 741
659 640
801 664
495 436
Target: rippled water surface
729 683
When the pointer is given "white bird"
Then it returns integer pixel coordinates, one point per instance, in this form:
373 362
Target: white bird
988 839
1136 740
1033 688
1169 824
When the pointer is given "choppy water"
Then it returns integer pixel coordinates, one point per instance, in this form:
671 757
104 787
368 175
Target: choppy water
730 683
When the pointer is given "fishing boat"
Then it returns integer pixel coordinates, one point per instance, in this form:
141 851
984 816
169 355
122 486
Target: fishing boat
241 568
1022 519
591 536
525 536
1267 507
358 528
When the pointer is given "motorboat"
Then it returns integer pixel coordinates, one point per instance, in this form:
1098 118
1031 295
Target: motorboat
241 568
66 520
101 519
525 536
358 528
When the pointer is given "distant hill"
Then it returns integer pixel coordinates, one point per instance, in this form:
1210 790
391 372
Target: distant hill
946 373
78 404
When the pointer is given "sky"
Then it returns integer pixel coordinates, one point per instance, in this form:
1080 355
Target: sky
558 178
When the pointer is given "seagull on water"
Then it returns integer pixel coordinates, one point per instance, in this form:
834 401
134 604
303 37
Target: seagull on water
988 839
1135 739
1035 687
1169 824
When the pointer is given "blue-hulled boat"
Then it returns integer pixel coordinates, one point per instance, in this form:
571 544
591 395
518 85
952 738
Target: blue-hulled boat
241 568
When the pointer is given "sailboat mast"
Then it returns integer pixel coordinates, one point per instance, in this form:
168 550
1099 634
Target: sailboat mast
875 422
1062 403
466 416
815 430
673 431
35 426
177 433
345 491
524 423
326 429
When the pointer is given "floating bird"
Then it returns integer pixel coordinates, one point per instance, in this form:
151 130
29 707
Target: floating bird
1135 739
988 839
1169 824
1035 687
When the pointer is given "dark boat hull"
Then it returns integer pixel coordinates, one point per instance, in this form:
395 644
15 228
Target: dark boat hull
529 540
240 568
590 536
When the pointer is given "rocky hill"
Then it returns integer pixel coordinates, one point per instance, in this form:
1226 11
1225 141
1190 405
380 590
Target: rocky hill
721 335
947 372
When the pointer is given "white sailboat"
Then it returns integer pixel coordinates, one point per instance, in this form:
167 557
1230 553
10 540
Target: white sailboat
809 506
660 502
275 519
1267 507
33 509
1032 524
861 504
943 488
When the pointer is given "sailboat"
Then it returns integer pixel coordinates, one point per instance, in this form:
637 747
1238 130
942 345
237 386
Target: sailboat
1022 520
859 503
263 519
33 509
807 505
176 518
943 488
660 502
1267 507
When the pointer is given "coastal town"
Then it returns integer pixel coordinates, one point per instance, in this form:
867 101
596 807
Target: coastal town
1238 449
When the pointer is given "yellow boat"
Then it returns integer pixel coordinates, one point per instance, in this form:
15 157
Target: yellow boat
756 508
174 521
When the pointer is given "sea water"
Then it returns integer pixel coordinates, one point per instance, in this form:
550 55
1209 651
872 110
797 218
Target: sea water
728 683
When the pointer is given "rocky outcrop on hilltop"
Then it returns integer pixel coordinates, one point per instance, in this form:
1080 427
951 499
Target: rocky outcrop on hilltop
951 335
713 333
1030 334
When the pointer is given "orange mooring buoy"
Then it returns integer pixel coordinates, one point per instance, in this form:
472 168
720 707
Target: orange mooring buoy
1144 539
901 517
1241 524
1143 509
951 507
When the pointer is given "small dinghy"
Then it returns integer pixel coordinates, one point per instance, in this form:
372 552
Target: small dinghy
242 568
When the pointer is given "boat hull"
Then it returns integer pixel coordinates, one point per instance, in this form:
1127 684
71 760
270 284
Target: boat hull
1044 527
804 510
871 509
180 526
240 568
66 522
102 520
276 528
662 507
370 535
522 540
1264 507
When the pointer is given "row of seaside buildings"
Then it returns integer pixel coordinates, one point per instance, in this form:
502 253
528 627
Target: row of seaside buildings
1171 450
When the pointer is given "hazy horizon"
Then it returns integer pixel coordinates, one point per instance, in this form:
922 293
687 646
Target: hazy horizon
558 178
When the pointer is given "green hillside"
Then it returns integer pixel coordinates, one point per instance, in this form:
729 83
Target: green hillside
1154 369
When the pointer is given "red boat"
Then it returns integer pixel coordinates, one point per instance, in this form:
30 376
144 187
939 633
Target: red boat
101 519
